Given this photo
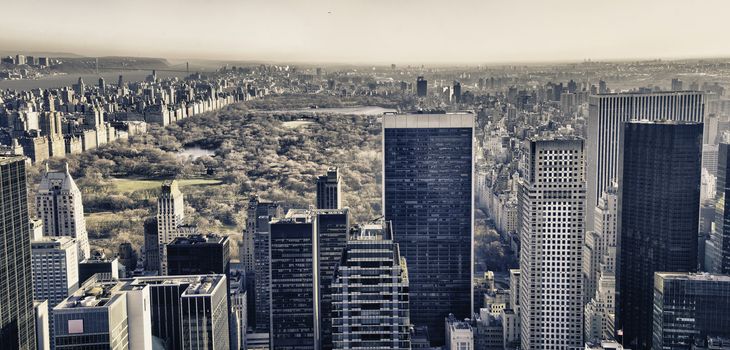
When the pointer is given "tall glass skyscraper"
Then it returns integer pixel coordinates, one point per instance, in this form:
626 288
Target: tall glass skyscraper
428 195
690 309
17 321
607 113
295 317
658 216
333 227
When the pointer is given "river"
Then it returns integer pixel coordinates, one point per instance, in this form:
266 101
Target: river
58 81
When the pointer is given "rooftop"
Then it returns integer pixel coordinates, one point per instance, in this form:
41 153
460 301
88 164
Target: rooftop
92 295
7 159
194 239
197 284
702 276
635 93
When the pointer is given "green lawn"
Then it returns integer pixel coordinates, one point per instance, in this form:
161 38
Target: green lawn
131 185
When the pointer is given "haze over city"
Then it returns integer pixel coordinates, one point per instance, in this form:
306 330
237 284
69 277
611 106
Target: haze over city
372 32
358 175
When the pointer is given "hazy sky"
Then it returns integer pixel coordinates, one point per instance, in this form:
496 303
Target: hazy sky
376 31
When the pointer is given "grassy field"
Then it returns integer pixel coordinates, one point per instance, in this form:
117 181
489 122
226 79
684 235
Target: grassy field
131 185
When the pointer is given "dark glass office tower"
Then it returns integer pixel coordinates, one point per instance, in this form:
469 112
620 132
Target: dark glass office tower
295 319
333 227
17 321
718 246
689 309
428 196
658 216
198 255
421 87
259 212
328 190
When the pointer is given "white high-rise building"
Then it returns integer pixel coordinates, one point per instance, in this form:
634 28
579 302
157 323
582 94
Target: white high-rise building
60 206
170 216
55 267
599 242
607 113
552 224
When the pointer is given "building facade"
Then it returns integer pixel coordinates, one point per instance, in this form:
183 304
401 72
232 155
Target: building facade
428 195
552 225
718 246
370 307
333 228
329 190
17 321
658 211
59 205
607 112
295 316
170 216
254 254
690 309
198 255
55 266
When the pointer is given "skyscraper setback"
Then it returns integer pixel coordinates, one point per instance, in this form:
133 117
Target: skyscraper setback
170 216
606 114
552 223
658 213
59 205
17 320
428 195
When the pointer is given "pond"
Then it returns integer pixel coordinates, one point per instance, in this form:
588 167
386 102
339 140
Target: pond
195 152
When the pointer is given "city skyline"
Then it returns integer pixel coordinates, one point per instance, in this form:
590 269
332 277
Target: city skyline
245 205
358 32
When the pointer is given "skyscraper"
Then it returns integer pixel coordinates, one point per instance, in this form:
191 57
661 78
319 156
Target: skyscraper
59 205
718 246
676 84
599 270
428 195
333 228
689 309
370 293
55 266
295 317
93 317
170 215
606 114
328 190
17 320
457 91
552 223
600 242
421 87
658 212
204 310
186 312
257 208
198 255
258 279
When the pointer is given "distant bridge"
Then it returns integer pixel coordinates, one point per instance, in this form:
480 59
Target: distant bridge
173 68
